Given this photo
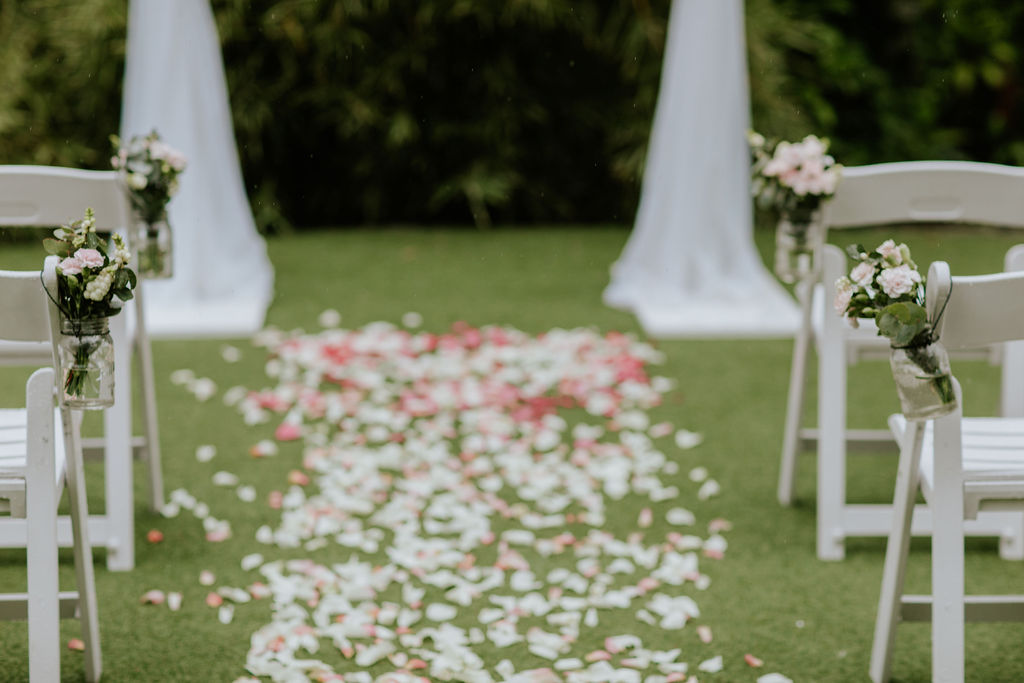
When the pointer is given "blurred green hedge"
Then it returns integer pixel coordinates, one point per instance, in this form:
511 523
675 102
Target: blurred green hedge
520 111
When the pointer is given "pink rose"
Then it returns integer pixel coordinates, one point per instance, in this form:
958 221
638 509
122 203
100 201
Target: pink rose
890 252
899 280
70 266
863 273
844 292
89 258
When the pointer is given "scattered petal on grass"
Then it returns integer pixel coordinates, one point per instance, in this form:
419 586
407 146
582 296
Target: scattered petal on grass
263 449
153 597
645 519
250 562
183 376
298 477
711 666
76 644
246 494
329 318
170 510
680 517
154 536
225 614
288 431
230 354
205 453
773 678
174 601
718 524
412 320
207 578
218 535
752 661
214 599
203 388
708 489
698 474
687 439
800 623
225 479
704 633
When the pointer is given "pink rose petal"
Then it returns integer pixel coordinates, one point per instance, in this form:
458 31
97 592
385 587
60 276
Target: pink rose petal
76 644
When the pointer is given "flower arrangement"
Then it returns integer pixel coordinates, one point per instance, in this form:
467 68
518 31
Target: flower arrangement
792 178
885 285
150 169
93 282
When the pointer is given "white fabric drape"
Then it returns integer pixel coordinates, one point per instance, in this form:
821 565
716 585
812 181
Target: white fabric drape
174 83
690 268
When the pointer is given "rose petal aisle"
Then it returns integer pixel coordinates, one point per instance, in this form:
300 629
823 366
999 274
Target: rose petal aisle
480 505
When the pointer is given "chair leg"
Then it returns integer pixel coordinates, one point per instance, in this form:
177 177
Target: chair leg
150 424
1011 542
831 448
41 544
117 460
795 398
896 554
84 573
948 554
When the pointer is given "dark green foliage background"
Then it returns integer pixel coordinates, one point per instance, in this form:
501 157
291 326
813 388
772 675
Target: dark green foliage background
353 112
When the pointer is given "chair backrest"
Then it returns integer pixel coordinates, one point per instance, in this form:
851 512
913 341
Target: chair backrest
974 310
50 196
27 314
928 192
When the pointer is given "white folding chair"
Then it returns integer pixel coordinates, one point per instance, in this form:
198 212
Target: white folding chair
929 192
40 454
45 196
962 466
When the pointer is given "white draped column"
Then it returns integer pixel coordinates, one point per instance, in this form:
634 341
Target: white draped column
174 83
690 267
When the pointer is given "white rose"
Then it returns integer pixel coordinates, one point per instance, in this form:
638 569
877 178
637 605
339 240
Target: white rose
890 252
863 273
137 181
899 280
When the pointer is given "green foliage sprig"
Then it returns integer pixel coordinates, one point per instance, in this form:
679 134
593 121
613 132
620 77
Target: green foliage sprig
886 286
93 277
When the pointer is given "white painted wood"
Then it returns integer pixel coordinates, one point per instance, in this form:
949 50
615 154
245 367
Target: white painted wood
896 553
942 192
41 515
49 196
968 467
791 439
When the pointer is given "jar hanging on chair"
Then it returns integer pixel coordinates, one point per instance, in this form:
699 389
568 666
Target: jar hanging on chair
86 360
923 380
152 247
799 236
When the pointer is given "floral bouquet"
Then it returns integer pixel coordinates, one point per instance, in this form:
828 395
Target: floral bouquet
93 282
149 170
793 179
886 286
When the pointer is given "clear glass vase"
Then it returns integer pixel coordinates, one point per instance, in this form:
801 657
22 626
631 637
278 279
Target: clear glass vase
798 240
923 381
151 244
86 357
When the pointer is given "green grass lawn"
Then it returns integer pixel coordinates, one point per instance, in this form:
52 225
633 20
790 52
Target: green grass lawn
770 596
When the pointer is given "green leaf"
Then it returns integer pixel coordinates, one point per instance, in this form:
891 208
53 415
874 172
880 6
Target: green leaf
56 247
854 251
902 322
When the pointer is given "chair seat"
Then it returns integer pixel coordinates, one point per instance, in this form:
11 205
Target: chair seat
993 459
13 437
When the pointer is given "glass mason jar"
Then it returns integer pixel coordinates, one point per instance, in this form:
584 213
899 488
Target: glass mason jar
151 244
923 380
798 239
86 357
